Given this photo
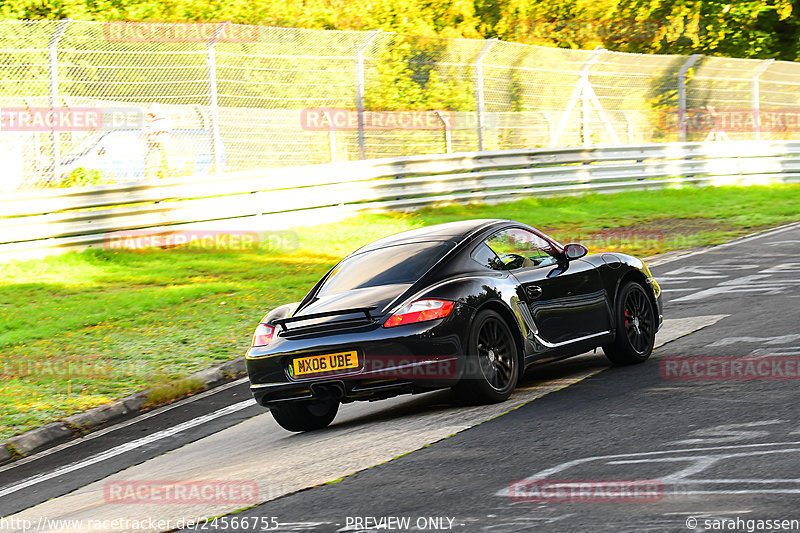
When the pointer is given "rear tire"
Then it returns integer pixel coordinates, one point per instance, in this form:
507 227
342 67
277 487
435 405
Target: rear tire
636 327
492 362
306 415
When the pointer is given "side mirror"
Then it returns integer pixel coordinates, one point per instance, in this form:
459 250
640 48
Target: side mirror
575 251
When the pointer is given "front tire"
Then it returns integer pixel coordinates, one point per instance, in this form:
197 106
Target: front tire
636 327
492 369
305 416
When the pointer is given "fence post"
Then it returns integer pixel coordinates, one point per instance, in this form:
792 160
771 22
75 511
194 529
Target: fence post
756 97
480 103
360 84
331 134
213 101
448 144
551 132
55 136
586 110
682 94
586 94
581 90
630 126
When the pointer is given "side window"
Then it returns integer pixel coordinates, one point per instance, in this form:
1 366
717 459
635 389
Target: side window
486 257
519 248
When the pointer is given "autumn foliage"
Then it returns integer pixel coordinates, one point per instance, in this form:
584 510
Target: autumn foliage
758 29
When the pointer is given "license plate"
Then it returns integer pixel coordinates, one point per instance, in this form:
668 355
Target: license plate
318 364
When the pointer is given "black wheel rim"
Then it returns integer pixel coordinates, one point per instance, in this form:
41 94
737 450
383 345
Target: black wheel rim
496 354
639 323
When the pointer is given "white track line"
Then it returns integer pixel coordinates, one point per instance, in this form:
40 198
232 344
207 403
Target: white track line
145 416
128 446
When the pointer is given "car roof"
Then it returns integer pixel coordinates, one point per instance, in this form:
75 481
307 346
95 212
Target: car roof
449 231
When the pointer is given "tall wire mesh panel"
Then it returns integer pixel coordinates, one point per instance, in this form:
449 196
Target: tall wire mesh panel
99 102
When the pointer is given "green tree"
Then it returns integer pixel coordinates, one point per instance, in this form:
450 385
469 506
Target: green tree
743 28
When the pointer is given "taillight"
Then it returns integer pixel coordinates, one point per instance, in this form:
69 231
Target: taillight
263 335
420 311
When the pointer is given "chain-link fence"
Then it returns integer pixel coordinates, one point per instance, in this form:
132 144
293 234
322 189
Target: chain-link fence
96 102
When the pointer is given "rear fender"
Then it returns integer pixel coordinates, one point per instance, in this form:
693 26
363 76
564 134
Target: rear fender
498 292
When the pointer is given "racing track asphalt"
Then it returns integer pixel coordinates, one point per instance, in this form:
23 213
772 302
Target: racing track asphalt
747 426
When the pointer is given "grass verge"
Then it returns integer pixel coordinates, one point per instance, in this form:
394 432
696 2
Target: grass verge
82 329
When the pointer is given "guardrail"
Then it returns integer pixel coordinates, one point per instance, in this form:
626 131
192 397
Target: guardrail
62 219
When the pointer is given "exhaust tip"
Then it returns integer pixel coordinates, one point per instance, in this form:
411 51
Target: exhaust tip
328 391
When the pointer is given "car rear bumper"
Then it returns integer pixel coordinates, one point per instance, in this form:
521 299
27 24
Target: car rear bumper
407 358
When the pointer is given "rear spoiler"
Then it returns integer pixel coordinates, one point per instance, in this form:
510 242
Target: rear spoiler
283 321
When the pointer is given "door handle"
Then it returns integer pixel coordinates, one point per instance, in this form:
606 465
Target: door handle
534 291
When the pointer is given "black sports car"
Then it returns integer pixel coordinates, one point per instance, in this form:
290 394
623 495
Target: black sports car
467 305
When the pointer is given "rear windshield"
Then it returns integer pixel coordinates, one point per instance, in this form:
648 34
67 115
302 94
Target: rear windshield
400 264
